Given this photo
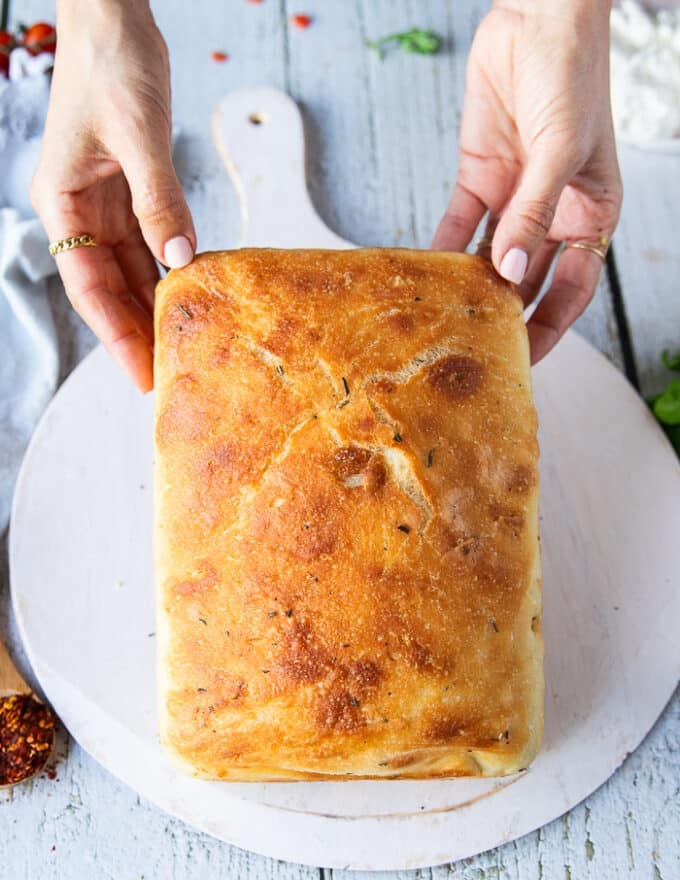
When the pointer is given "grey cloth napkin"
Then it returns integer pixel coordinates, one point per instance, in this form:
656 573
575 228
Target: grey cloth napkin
29 353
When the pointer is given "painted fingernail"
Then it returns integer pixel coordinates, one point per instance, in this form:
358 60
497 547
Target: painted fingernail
514 265
178 252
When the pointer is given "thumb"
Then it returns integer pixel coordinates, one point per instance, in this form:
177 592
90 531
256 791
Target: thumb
159 204
527 219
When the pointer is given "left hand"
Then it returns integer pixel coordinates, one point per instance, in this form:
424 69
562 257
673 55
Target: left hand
105 169
537 152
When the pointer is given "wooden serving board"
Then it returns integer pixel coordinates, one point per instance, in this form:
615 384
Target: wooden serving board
81 569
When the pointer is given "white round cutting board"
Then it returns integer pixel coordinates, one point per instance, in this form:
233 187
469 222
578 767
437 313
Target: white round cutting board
80 554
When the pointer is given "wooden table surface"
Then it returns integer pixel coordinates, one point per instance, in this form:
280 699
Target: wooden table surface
381 163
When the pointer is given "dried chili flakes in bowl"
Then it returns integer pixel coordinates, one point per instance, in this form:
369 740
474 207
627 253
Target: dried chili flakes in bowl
26 737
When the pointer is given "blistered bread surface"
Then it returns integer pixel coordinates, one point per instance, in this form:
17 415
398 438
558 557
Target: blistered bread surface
346 488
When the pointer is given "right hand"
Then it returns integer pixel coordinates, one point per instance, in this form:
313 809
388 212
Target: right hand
537 152
106 169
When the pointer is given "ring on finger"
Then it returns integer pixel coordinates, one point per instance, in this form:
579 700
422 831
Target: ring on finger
597 246
71 242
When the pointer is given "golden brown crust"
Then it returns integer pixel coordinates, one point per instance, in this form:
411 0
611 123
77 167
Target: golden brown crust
346 517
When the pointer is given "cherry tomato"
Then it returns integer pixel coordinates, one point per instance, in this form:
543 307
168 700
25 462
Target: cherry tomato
40 37
7 43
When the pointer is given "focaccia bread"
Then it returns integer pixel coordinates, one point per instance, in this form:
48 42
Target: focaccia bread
346 542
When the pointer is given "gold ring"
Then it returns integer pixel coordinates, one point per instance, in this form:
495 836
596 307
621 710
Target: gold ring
599 248
73 241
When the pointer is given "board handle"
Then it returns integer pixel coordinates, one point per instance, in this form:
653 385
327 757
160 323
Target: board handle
259 134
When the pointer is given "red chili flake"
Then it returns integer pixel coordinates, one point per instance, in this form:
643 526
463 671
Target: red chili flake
219 56
255 1
26 737
300 21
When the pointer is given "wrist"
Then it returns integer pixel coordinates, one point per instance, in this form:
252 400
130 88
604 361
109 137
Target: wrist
103 28
578 10
80 6
100 10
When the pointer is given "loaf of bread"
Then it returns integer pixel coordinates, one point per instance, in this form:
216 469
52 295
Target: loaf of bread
346 545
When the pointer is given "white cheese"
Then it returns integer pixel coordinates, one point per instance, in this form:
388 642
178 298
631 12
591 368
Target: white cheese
645 73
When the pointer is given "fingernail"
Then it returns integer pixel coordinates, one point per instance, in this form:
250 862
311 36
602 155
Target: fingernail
178 252
514 265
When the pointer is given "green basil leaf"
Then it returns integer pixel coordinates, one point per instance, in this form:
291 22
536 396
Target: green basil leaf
419 41
416 41
667 405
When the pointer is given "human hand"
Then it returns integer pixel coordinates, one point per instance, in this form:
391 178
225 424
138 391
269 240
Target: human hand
537 151
106 169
